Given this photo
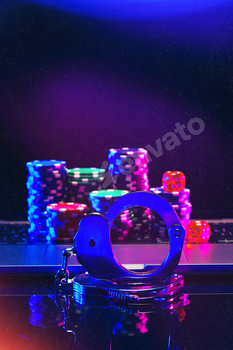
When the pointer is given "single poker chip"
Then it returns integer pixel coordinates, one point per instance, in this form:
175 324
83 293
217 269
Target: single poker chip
62 232
127 151
39 178
64 216
59 224
108 194
44 172
85 181
46 164
175 197
85 172
44 188
52 194
183 209
185 191
66 207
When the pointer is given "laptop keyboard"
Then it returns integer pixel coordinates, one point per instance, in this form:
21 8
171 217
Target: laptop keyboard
16 232
221 231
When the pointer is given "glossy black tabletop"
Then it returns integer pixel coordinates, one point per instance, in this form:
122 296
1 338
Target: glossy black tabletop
31 319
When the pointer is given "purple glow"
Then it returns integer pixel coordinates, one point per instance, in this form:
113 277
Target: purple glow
205 250
67 103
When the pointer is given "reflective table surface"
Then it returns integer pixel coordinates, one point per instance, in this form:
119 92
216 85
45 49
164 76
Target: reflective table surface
33 318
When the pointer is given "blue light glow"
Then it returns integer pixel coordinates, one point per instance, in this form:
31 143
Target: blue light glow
133 9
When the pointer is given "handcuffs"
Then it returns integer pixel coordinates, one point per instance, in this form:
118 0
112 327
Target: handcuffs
106 279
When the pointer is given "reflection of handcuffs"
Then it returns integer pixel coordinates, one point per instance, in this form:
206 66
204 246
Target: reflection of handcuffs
107 278
101 325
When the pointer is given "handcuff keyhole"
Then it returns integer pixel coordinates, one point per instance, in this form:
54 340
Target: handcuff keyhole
177 233
92 243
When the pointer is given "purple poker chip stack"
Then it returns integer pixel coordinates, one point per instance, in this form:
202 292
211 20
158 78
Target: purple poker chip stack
129 170
180 202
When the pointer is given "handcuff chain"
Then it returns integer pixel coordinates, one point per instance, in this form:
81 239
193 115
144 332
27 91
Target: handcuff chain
63 273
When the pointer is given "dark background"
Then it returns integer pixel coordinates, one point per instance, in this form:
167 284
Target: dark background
73 85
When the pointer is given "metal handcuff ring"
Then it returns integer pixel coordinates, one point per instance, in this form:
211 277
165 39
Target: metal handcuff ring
94 250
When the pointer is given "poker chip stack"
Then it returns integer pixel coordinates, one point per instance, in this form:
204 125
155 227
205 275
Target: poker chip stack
46 183
141 232
63 220
180 202
82 181
129 170
102 200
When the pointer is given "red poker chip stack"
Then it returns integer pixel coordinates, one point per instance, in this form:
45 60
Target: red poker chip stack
63 220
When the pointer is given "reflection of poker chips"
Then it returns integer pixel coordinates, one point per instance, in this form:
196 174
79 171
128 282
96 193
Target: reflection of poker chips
46 183
172 197
133 325
44 312
128 167
82 181
63 220
101 201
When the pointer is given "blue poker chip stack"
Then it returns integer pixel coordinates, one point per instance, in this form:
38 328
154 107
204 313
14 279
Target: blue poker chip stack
46 184
180 202
129 170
